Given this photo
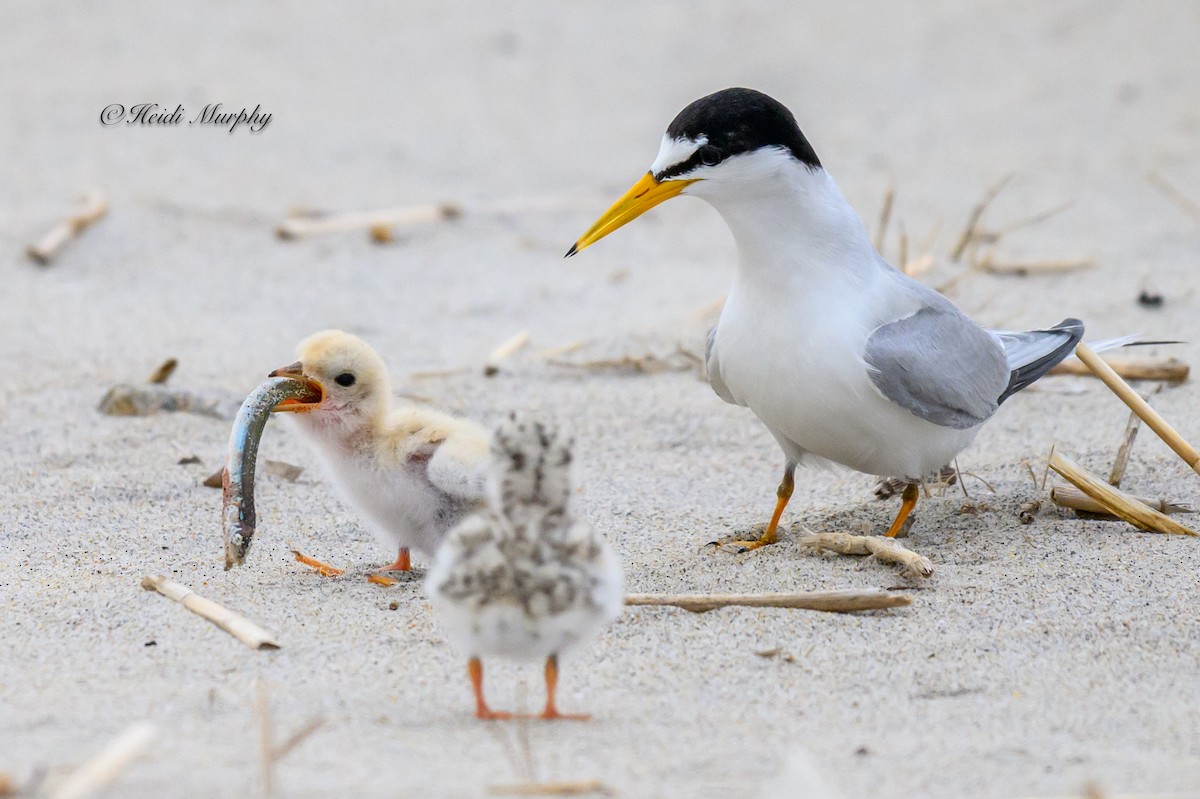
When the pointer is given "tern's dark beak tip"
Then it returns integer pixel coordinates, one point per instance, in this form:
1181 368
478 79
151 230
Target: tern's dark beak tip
574 249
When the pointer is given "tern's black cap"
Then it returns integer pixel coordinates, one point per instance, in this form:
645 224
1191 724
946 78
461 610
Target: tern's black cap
737 121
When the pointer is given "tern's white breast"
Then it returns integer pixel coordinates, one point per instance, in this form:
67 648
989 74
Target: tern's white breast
792 351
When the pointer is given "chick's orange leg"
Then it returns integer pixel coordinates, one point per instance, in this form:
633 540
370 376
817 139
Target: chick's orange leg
908 502
782 495
482 711
403 562
551 711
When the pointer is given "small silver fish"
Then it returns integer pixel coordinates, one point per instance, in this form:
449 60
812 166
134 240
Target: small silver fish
237 510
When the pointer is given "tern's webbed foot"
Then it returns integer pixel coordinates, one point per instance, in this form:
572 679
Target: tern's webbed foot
552 714
487 714
737 545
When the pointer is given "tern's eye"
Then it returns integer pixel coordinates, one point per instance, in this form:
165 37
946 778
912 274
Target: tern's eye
709 155
344 379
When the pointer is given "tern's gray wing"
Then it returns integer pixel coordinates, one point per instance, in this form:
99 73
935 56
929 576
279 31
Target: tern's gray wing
1034 352
714 370
940 365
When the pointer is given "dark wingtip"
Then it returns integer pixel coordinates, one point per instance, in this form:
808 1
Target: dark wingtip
574 249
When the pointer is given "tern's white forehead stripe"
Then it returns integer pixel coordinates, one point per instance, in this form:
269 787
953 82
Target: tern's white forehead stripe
675 151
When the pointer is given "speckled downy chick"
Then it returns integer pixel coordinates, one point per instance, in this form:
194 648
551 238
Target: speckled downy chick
523 578
410 473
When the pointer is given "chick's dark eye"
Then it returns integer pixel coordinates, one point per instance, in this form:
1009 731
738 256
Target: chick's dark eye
344 379
709 155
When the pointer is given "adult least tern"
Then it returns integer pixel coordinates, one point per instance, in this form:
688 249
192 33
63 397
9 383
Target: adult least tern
411 473
843 357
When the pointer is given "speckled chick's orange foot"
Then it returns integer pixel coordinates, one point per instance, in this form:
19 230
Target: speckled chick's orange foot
403 563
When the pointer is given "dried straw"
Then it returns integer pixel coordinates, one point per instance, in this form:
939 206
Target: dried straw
235 624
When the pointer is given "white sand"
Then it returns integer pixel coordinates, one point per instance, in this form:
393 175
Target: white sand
1037 659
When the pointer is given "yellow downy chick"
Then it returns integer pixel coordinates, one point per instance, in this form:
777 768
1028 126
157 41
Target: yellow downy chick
411 473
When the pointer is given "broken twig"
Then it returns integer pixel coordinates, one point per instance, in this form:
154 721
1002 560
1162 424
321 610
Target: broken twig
163 373
103 769
1184 202
1168 370
235 624
1115 501
1076 499
840 601
378 223
1025 268
1139 406
968 235
1122 460
91 209
128 400
888 550
885 215
504 351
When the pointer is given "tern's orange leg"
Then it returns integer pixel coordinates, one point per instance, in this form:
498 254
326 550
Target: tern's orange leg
482 711
782 495
908 502
403 563
551 711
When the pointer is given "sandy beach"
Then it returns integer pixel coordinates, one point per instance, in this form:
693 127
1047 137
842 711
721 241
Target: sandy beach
1038 659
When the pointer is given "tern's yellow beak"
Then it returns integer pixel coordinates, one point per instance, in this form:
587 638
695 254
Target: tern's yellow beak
316 392
644 195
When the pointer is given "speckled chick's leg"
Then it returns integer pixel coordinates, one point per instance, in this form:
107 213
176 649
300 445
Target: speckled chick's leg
782 495
909 501
551 711
403 562
482 711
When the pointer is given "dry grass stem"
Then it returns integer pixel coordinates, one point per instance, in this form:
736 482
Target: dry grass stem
1168 370
321 568
840 601
885 215
1131 430
505 351
967 237
269 754
888 550
1139 406
1184 202
235 624
262 709
902 257
378 223
297 738
128 400
1076 499
563 349
1027 267
1036 219
163 373
91 208
103 769
1115 501
568 788
681 360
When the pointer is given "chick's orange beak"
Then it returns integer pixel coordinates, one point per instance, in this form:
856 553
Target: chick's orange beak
644 195
310 399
